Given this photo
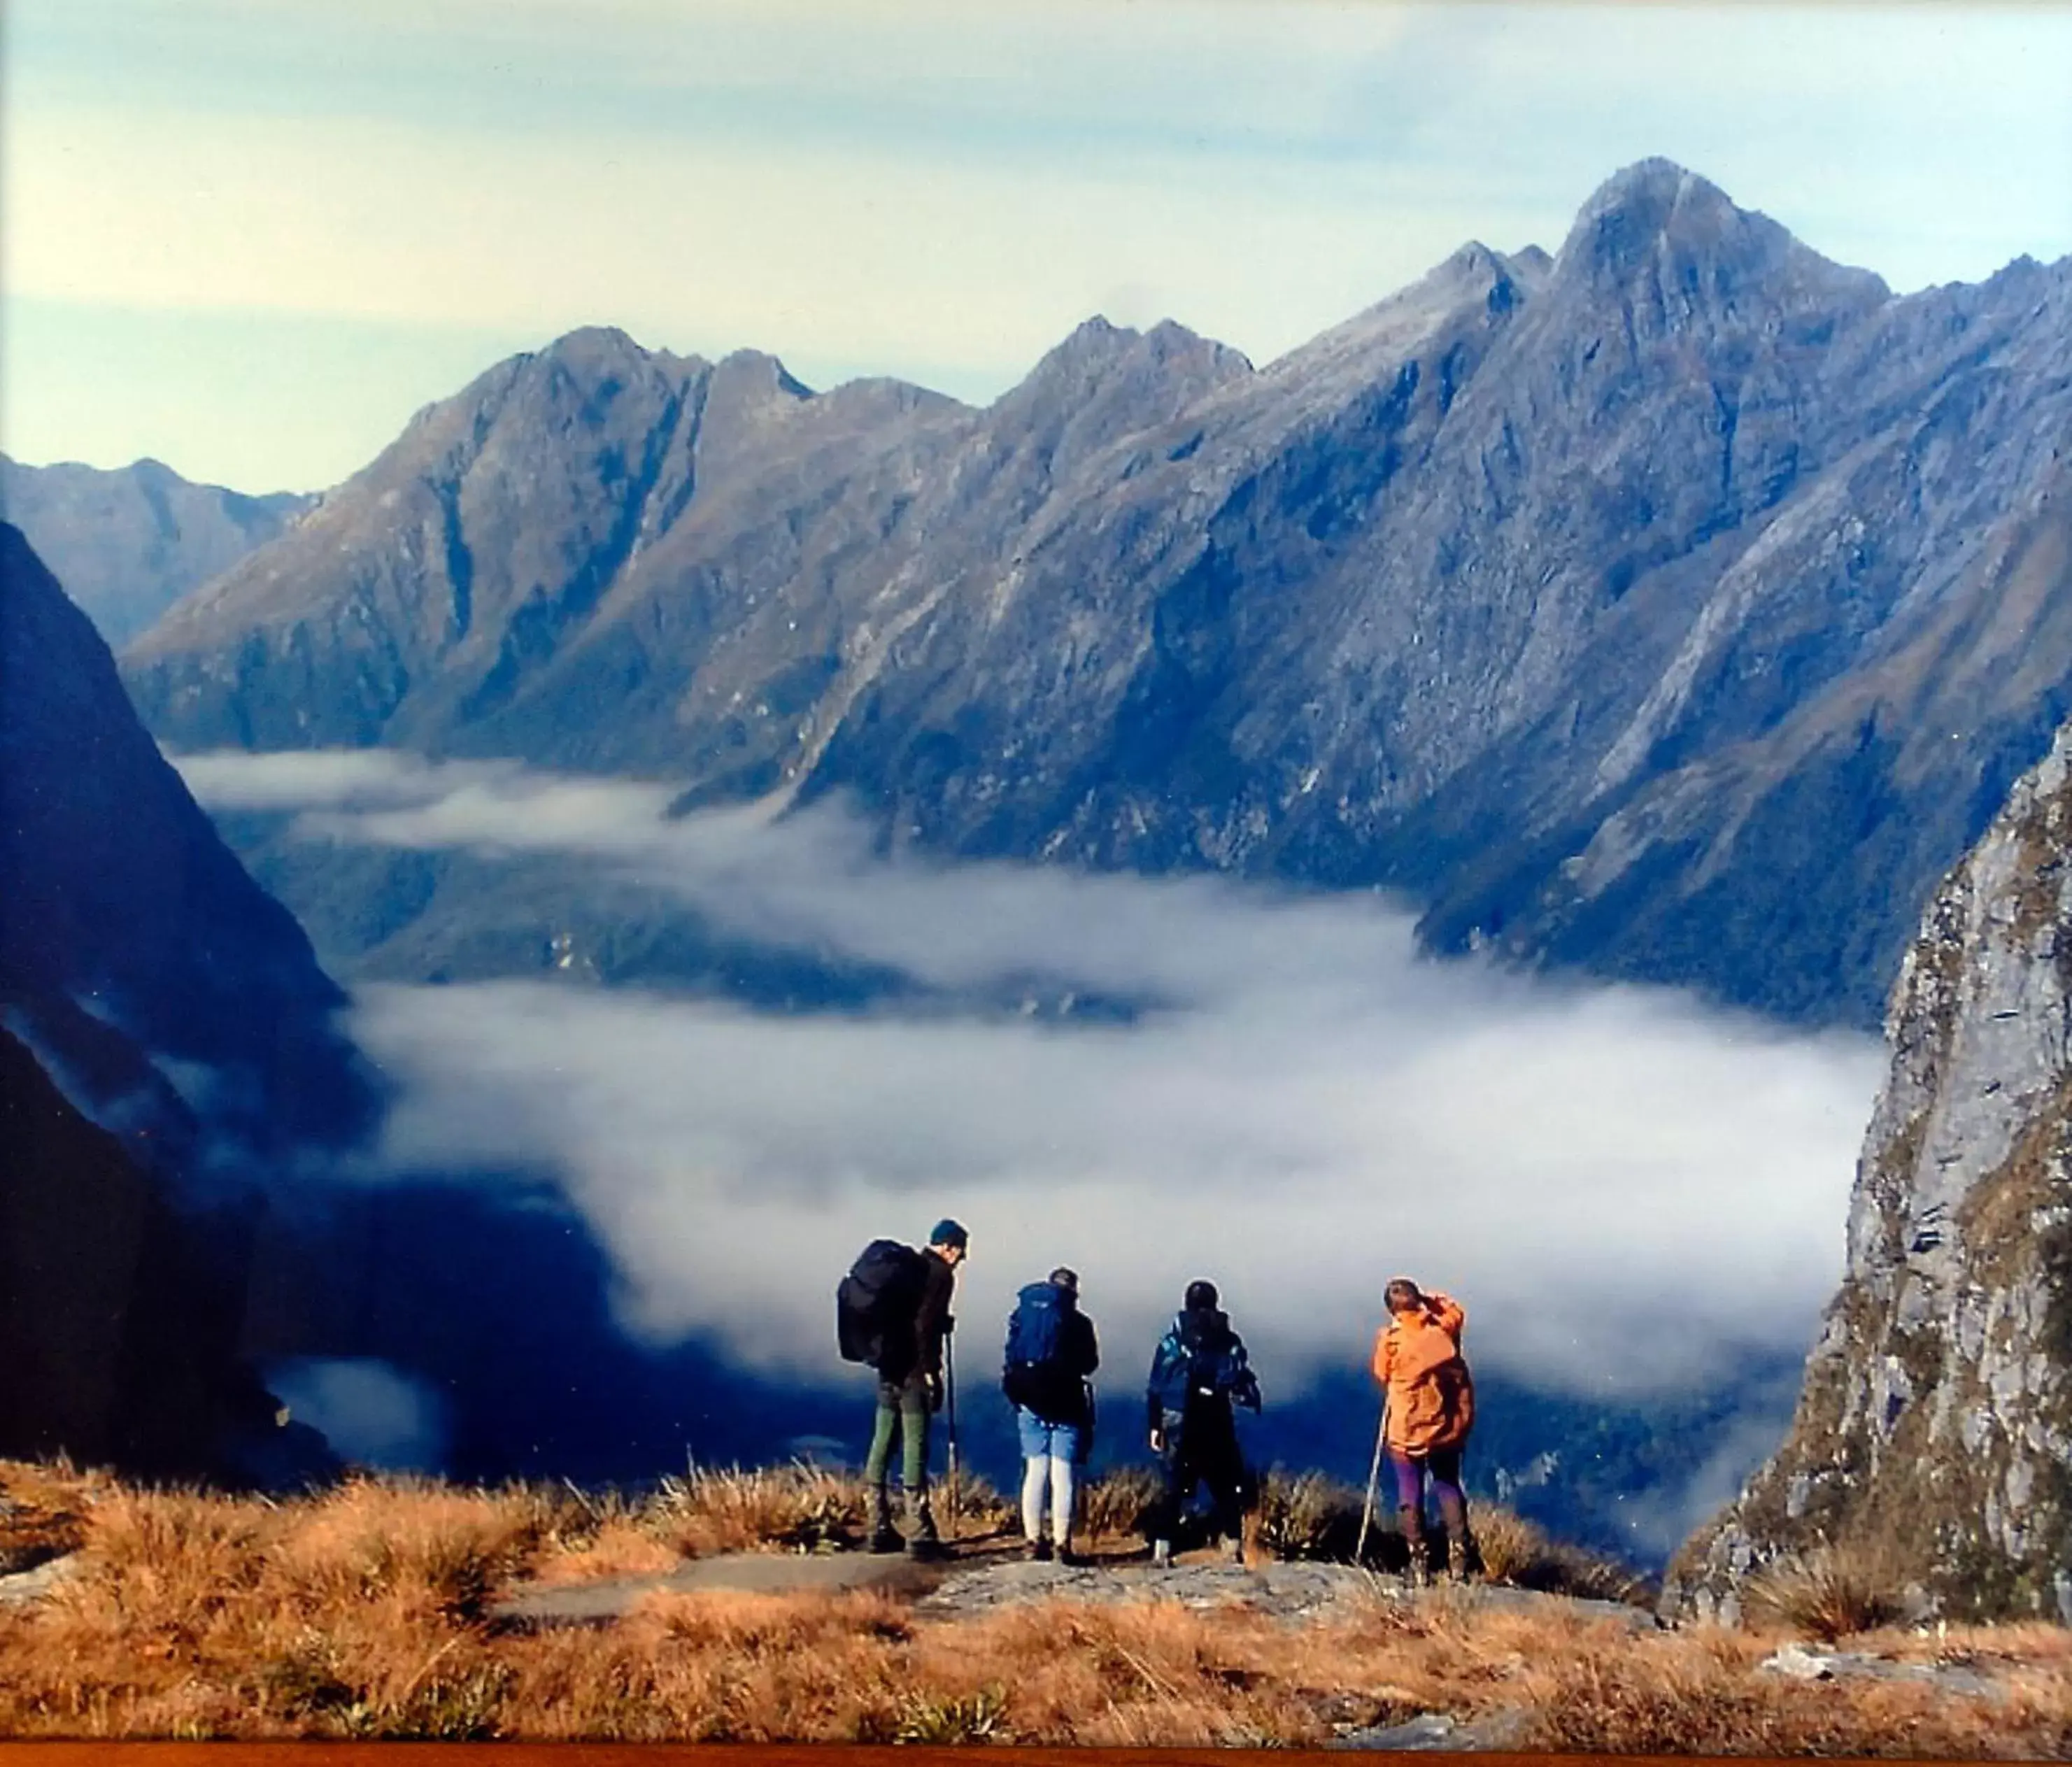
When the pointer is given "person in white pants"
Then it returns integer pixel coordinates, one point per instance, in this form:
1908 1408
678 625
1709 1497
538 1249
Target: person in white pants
1051 1351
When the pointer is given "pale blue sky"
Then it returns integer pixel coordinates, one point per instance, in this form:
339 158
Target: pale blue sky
251 236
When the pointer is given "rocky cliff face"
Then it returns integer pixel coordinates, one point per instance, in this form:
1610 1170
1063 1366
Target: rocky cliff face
1680 605
128 544
1934 1428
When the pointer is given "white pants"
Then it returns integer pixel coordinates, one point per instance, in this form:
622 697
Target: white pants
1047 1475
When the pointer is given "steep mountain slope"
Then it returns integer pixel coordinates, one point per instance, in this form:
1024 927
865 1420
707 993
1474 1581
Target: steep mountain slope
166 1053
1934 1432
129 544
134 948
1570 594
122 1314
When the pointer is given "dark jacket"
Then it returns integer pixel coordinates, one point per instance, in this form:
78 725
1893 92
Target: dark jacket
1061 1393
922 1351
1200 1362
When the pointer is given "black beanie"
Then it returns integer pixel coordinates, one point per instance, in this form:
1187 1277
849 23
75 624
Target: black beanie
1201 1296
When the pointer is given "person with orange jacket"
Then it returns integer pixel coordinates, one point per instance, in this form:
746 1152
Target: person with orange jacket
1429 1407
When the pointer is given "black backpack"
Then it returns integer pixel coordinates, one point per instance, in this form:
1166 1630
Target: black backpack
881 1294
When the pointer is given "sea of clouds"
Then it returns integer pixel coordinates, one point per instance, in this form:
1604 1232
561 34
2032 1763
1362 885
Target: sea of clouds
1632 1193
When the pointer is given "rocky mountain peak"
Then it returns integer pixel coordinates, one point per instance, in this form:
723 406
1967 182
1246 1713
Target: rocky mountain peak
1097 349
1655 229
1105 381
1532 265
753 377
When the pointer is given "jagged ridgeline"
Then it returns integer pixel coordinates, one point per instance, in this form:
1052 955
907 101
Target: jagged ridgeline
128 544
1680 606
1932 1450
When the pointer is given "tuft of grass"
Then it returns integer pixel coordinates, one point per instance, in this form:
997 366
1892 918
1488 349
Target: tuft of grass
1114 1506
1308 1516
1517 1551
1831 1592
965 1719
800 1507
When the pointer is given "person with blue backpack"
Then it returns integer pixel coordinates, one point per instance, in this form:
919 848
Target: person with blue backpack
1198 1371
1051 1354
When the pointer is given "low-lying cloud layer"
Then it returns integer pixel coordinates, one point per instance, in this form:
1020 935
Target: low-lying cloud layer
1630 1192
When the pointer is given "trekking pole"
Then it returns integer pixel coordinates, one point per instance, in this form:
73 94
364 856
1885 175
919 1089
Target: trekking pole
950 1405
1373 1479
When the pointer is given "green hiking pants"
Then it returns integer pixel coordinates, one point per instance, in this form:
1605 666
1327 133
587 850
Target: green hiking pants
903 1411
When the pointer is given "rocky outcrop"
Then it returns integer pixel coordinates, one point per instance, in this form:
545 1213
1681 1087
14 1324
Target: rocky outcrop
1934 1433
1680 605
128 544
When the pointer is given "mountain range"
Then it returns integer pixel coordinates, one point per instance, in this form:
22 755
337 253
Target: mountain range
129 544
1680 606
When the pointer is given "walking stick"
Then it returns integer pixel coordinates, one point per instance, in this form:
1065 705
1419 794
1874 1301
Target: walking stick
950 1405
1373 1478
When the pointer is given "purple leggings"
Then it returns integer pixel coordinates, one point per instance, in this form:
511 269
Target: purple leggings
1408 1473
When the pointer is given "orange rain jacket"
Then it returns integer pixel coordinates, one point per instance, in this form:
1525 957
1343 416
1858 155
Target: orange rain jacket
1417 1359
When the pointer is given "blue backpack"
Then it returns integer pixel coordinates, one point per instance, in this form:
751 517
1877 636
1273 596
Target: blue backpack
1034 1375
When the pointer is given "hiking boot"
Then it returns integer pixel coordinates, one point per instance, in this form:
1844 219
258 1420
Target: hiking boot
1162 1555
923 1541
1237 1550
1070 1558
1039 1551
1458 1546
1419 1571
884 1536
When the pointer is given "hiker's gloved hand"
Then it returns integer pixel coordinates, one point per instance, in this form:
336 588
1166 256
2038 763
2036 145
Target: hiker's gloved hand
1158 1441
934 1385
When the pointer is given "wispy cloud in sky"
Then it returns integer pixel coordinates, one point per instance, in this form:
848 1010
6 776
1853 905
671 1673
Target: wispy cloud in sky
934 190
1631 1192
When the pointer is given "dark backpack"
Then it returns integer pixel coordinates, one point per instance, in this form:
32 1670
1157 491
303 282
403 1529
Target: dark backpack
1035 1375
1202 1358
881 1294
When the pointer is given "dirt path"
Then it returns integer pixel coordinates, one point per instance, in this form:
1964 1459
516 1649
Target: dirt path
762 1573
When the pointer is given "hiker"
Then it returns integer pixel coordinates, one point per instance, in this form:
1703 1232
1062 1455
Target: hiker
1051 1351
1429 1407
892 1313
1197 1372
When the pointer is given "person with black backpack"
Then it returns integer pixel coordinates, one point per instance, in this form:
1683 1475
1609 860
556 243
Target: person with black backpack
892 1312
1051 1351
1197 1372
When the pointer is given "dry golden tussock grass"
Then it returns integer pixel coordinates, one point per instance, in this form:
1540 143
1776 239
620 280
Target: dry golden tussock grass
1829 1591
363 1613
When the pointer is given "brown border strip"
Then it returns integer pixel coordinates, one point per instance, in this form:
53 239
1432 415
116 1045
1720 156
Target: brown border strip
596 1754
